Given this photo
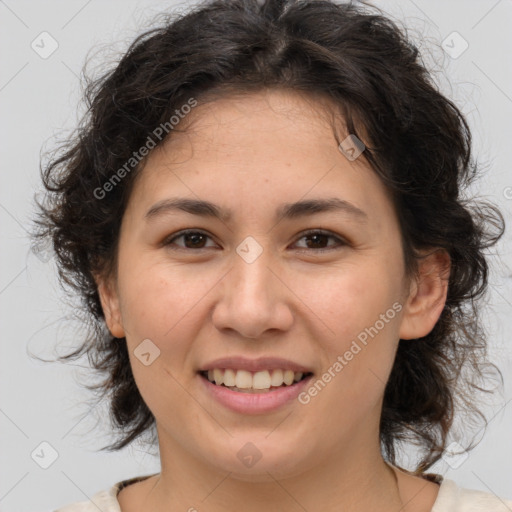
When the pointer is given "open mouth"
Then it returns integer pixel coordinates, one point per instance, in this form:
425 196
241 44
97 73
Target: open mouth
254 382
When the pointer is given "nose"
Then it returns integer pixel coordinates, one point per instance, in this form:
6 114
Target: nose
253 298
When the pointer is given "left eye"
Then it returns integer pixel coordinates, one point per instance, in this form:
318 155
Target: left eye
197 239
319 237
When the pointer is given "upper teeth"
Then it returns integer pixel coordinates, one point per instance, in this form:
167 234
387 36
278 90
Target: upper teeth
258 380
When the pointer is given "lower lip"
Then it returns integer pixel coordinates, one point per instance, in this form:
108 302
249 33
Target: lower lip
255 403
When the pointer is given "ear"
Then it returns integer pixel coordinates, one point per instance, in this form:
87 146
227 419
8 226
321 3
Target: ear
427 295
109 298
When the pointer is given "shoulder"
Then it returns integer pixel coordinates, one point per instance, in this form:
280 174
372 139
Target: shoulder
452 498
106 500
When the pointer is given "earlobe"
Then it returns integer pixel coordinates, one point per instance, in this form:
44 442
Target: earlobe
110 305
427 296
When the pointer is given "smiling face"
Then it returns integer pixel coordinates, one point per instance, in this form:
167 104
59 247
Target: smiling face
252 284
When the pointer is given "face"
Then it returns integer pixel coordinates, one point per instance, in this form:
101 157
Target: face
254 285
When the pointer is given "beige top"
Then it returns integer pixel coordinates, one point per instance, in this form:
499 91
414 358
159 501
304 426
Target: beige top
451 498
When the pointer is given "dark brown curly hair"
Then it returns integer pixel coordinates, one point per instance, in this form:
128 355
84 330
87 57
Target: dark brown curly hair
417 141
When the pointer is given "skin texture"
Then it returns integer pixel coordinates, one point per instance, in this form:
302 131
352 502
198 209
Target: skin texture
252 154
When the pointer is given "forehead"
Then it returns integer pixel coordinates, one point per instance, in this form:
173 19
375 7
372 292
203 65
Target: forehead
261 133
235 120
259 149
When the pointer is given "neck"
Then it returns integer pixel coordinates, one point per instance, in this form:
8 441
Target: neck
353 479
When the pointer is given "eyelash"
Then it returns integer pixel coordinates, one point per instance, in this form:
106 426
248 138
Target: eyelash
168 242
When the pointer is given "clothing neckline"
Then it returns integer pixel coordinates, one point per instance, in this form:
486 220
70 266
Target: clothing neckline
431 477
436 478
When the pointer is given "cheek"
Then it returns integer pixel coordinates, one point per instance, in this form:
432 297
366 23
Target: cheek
162 304
158 299
350 301
361 309
163 309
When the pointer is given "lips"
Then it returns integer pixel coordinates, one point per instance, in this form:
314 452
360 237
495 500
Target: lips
252 401
255 365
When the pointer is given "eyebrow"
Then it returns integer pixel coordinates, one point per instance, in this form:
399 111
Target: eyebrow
286 211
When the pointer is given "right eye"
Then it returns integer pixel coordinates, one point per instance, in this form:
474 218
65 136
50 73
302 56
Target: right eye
194 237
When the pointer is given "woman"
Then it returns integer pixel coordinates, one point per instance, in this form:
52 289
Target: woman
263 208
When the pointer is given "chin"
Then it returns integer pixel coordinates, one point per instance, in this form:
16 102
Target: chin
260 461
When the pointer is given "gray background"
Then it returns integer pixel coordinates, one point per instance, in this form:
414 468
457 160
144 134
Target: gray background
38 101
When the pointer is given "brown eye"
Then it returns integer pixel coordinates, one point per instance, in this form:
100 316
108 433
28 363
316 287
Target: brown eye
192 239
318 240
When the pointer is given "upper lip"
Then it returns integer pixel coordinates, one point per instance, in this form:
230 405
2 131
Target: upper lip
255 365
